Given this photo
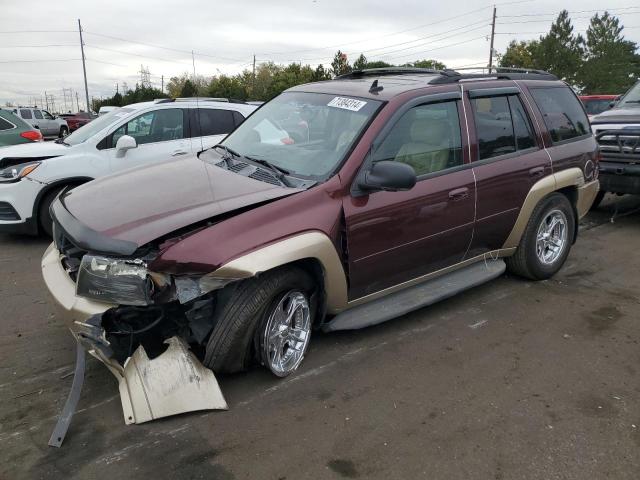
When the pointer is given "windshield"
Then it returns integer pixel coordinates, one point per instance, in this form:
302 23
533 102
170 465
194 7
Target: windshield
82 134
596 106
306 134
631 99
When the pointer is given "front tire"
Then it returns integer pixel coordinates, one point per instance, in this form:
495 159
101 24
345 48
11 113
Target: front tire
44 216
64 131
253 321
546 241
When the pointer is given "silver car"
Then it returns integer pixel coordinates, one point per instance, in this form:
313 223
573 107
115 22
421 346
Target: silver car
49 125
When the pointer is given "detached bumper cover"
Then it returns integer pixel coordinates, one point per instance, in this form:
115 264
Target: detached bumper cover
586 194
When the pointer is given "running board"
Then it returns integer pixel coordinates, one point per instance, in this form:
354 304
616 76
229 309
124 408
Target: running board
418 296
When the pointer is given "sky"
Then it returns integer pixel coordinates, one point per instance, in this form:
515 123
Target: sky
40 46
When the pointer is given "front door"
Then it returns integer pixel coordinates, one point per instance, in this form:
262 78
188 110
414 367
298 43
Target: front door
394 237
50 124
159 134
508 160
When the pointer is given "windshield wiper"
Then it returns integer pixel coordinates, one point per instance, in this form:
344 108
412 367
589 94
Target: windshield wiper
278 171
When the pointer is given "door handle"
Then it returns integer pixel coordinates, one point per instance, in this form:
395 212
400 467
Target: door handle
178 153
459 194
537 172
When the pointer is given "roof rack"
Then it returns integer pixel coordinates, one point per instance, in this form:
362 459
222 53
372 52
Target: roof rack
198 99
521 75
368 72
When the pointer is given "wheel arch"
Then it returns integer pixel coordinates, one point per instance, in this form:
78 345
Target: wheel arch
569 182
314 252
65 182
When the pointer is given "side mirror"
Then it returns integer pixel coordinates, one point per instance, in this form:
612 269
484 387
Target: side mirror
124 143
389 176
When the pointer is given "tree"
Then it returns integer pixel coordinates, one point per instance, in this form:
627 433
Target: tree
432 64
321 74
188 90
519 55
611 64
360 63
175 84
340 64
560 51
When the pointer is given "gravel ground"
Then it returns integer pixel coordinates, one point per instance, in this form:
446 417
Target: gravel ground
511 380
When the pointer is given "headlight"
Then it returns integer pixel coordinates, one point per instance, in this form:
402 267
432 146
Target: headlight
121 281
16 172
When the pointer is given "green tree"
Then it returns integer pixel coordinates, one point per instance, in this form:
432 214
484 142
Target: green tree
433 64
188 90
360 63
560 51
519 54
340 64
611 64
321 74
378 64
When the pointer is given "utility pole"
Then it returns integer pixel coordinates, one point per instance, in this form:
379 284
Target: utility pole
253 81
77 102
84 67
46 99
162 83
493 34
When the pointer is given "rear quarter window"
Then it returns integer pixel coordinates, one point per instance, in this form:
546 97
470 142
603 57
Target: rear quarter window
562 112
5 124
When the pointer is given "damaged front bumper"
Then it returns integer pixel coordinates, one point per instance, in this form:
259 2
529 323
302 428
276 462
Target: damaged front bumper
173 382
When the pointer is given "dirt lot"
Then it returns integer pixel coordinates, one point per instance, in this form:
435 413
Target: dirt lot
511 380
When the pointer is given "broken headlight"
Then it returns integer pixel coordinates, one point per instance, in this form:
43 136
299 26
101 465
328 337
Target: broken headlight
16 172
113 280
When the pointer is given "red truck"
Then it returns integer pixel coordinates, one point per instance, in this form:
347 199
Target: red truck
77 120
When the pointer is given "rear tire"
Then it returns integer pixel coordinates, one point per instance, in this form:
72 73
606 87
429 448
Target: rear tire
44 216
598 200
240 331
546 241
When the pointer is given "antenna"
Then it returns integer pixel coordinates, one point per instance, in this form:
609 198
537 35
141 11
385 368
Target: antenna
193 60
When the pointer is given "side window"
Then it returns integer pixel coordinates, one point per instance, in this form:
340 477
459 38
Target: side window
151 127
494 126
25 113
5 124
426 137
521 124
562 113
237 118
211 121
37 114
47 115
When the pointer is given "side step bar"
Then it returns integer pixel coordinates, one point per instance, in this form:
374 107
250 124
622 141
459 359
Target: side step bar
418 296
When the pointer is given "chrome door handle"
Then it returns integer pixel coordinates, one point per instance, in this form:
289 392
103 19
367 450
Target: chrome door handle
178 152
459 194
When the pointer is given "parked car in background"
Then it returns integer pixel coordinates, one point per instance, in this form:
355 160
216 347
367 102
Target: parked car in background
77 120
618 133
14 130
105 109
128 137
596 104
408 186
49 125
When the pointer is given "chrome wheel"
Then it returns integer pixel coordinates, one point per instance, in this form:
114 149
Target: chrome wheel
287 333
552 237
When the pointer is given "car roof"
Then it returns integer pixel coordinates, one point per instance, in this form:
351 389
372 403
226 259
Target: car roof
168 103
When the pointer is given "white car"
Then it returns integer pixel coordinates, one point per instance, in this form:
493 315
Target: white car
105 109
49 125
32 175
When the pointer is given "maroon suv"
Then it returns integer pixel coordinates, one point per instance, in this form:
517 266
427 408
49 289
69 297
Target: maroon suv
337 205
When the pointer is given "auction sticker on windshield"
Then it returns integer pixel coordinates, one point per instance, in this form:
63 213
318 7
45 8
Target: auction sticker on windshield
347 103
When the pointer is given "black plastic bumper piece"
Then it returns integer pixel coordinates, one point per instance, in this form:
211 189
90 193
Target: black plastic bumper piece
28 227
619 177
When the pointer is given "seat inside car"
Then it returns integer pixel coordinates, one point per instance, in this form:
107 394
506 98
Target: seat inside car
428 148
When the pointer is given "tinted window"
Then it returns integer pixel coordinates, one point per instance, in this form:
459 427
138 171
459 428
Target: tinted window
426 137
211 121
562 112
151 127
494 126
47 115
37 114
521 124
5 125
594 107
24 113
237 118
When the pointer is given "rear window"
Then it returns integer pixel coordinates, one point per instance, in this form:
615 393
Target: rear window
24 113
562 112
5 125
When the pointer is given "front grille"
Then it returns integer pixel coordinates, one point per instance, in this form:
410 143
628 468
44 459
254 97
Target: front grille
620 145
7 212
250 171
71 256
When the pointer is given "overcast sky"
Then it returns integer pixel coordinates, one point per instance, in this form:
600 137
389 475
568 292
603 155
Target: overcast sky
225 35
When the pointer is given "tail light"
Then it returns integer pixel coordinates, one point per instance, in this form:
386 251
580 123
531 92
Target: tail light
33 135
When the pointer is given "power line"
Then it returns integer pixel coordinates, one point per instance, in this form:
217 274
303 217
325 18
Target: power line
573 11
122 52
39 61
37 31
439 48
39 46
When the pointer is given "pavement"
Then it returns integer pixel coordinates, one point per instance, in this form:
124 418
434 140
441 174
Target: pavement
511 380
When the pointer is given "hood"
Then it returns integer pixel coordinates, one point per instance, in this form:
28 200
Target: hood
138 206
35 149
619 115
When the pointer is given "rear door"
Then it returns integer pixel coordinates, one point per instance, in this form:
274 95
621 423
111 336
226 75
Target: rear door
508 158
209 126
394 237
160 135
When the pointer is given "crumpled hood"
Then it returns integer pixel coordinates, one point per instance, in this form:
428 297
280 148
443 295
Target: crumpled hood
35 149
618 115
141 205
